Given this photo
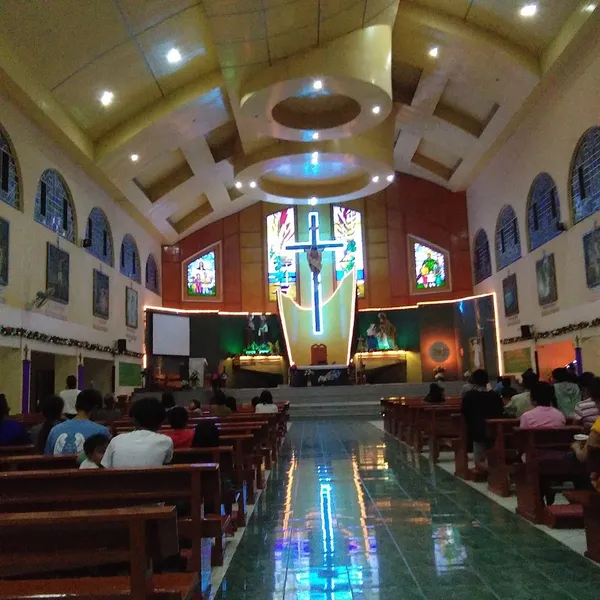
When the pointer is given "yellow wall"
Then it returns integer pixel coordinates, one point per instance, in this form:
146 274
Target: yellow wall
11 375
414 373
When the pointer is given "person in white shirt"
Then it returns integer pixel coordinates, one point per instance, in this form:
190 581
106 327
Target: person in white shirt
265 405
143 447
69 397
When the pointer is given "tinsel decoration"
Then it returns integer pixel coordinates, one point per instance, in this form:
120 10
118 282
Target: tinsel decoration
543 335
46 338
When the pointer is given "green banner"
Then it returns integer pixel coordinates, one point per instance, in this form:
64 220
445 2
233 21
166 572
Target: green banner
517 361
130 374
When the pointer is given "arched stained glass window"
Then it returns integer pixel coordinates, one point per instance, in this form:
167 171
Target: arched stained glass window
585 176
130 258
152 274
543 211
482 260
9 175
54 205
98 231
508 241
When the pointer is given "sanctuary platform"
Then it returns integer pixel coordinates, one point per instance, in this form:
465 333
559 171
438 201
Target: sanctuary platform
321 401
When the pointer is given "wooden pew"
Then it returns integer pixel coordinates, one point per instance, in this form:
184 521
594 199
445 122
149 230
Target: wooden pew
502 456
67 489
14 450
41 542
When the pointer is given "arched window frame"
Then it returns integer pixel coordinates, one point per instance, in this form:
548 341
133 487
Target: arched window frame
152 276
99 232
54 206
10 180
129 259
508 238
543 211
482 258
585 176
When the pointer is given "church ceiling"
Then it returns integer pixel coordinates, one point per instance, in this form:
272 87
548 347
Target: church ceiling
176 106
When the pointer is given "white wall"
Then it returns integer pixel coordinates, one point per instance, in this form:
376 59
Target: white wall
35 152
545 141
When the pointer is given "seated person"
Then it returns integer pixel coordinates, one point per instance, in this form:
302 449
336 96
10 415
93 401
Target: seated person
505 388
255 402
94 448
521 403
266 405
178 419
52 409
232 404
108 412
568 394
142 447
479 404
194 407
588 410
436 394
12 433
68 437
206 435
218 405
168 400
543 415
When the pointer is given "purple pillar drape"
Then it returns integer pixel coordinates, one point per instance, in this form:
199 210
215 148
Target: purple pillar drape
579 359
80 377
26 387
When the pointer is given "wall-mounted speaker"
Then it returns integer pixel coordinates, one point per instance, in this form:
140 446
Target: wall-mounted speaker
526 332
122 345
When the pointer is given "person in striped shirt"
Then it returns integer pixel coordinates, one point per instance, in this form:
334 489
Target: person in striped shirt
588 410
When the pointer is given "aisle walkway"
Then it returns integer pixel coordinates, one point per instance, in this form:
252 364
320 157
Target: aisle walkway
349 514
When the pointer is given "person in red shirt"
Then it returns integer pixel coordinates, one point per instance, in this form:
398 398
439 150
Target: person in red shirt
178 418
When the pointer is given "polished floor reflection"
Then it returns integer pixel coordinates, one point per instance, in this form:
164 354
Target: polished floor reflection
351 514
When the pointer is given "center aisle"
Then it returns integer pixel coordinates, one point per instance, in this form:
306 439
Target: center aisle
350 514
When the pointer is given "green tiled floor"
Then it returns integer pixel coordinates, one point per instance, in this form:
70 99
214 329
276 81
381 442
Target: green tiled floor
350 514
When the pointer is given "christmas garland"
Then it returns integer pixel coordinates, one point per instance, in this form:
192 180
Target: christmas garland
542 335
38 336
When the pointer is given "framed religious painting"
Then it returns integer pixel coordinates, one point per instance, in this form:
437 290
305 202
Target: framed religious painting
591 256
101 304
202 279
545 271
429 267
57 273
4 250
131 308
510 295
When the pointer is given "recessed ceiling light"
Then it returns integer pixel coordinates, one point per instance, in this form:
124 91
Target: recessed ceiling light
317 84
253 184
315 135
313 201
238 185
134 158
314 158
375 179
434 52
528 10
173 56
106 98
376 110
390 178
590 8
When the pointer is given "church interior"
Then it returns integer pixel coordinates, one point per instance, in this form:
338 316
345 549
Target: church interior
364 213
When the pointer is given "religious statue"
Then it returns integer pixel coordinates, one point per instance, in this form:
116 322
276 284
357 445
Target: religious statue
315 259
263 330
387 333
372 341
249 331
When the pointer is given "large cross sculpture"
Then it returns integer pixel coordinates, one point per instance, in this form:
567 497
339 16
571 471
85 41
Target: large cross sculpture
315 243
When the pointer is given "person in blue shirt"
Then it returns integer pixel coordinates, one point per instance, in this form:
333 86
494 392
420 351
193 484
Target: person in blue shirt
12 433
69 437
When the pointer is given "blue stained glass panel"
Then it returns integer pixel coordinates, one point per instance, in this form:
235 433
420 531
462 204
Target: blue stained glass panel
508 241
102 244
543 211
152 274
585 176
482 260
9 177
53 203
130 259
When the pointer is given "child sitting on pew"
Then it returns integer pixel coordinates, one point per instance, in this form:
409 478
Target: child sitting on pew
94 448
178 419
143 447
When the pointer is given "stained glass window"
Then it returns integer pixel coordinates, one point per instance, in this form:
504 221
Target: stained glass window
543 211
98 231
130 259
347 227
202 276
9 178
585 176
430 267
152 274
482 261
54 205
281 264
508 241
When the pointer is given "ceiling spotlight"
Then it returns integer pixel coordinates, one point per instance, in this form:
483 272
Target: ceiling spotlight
313 201
390 178
134 158
528 10
434 52
317 84
315 135
375 179
376 110
106 98
253 184
173 56
238 185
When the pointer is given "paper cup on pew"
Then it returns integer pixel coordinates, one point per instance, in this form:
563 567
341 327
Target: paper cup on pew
581 437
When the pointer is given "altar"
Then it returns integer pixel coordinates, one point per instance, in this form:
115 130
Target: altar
319 375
